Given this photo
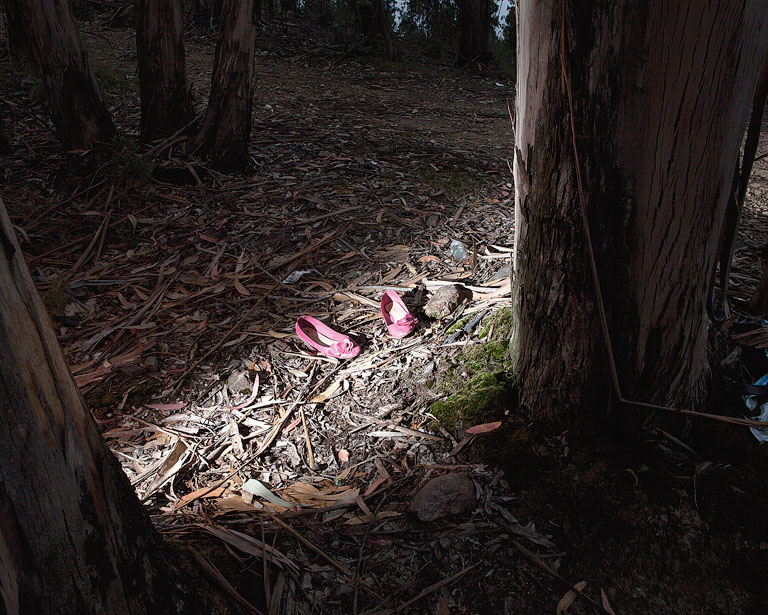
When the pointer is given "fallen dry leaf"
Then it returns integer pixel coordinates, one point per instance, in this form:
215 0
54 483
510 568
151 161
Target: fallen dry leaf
241 289
567 600
484 427
336 388
176 406
606 604
374 486
205 492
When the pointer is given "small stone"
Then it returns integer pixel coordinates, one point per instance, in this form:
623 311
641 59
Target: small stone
238 382
132 370
151 364
445 301
433 220
452 494
501 274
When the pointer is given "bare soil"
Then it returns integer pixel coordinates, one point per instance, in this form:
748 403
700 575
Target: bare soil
362 174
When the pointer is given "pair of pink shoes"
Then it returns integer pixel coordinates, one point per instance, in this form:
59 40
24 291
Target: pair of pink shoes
400 322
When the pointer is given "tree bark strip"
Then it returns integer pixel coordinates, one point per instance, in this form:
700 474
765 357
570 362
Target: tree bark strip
73 536
166 97
661 97
77 109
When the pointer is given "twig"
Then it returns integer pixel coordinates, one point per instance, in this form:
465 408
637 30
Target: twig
98 239
428 590
310 454
157 149
224 338
359 565
313 547
278 427
215 575
302 253
44 216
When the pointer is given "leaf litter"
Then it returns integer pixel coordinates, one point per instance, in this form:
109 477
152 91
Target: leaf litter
175 302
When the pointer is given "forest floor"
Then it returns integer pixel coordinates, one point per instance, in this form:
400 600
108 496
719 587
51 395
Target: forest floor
295 475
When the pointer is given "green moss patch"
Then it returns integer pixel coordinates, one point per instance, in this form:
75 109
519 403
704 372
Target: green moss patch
479 389
498 325
484 399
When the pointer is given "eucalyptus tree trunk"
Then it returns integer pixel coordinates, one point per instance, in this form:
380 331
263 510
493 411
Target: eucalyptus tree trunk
73 537
659 98
166 97
77 109
15 30
384 26
226 129
474 30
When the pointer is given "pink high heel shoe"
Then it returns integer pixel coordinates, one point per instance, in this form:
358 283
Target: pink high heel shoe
400 322
325 340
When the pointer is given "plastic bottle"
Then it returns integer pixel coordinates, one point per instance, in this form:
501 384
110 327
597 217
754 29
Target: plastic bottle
458 251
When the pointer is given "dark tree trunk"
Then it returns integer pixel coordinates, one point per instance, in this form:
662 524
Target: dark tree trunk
73 537
216 12
660 100
15 28
474 30
77 109
166 98
384 27
226 129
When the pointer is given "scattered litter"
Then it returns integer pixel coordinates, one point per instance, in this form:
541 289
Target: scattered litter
296 276
759 412
458 251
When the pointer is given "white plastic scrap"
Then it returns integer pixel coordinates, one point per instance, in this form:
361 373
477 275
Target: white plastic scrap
296 276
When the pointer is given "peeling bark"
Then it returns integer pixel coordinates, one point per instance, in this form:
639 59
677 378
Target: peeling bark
661 96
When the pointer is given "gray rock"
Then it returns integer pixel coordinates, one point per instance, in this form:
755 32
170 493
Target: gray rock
501 274
445 300
452 494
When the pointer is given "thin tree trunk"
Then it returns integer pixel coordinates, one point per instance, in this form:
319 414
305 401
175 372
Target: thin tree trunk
661 95
227 127
73 536
474 30
166 98
77 109
15 28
